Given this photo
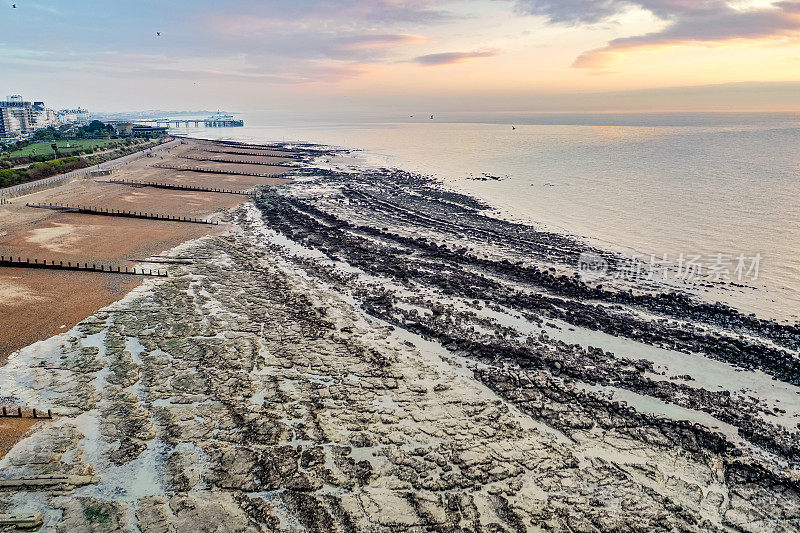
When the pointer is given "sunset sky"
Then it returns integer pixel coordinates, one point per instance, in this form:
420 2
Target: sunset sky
482 55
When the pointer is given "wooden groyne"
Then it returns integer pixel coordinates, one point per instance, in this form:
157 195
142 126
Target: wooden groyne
177 187
233 161
69 265
236 152
247 162
276 148
120 213
46 481
211 170
32 413
21 521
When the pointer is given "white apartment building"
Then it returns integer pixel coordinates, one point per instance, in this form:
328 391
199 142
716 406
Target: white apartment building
73 116
45 117
19 118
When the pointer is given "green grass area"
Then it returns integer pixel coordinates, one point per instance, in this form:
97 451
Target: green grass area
65 147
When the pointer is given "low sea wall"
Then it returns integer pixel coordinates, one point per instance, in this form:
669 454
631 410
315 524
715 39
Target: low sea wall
15 189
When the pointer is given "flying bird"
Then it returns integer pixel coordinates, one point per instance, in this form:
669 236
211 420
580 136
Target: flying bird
14 6
158 34
513 128
431 117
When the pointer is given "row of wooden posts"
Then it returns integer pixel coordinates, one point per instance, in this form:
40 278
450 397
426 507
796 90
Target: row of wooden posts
120 213
209 170
247 162
237 152
246 146
17 413
177 187
10 262
52 265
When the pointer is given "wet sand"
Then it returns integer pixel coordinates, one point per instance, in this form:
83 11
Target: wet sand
12 430
38 304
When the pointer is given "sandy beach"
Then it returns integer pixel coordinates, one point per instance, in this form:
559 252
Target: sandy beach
43 303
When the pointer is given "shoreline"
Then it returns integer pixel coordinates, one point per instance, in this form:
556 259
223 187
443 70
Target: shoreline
371 351
656 226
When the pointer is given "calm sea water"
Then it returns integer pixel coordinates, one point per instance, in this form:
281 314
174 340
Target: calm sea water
641 184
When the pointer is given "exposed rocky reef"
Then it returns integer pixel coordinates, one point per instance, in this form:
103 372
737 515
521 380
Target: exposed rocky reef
369 352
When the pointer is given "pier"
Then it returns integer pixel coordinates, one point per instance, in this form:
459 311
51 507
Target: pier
219 120
194 122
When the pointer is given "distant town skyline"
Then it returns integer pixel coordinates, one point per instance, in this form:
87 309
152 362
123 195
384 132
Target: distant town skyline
398 56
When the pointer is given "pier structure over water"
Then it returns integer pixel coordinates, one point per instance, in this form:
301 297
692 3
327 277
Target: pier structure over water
214 121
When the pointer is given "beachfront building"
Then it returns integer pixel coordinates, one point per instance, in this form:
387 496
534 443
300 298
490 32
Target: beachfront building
44 116
130 129
74 116
142 130
123 129
17 118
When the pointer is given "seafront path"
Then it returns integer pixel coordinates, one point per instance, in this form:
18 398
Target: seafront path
108 165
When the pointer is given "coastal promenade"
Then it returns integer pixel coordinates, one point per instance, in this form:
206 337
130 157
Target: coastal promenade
108 165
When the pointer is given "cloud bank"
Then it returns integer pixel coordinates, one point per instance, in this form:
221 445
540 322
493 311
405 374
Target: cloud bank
448 58
690 22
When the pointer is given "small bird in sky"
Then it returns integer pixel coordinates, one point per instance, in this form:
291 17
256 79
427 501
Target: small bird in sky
14 6
513 128
158 34
431 117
